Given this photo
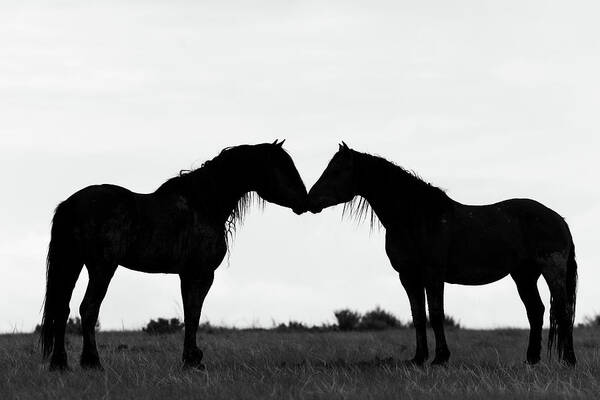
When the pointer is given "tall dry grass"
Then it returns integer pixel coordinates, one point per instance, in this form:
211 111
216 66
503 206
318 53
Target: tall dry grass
301 365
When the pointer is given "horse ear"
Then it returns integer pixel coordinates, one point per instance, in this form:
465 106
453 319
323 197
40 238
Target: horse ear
275 142
345 145
280 144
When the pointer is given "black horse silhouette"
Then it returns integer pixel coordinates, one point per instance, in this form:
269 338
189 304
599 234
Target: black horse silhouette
182 228
432 239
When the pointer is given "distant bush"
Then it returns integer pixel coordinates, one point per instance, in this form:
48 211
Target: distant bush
293 326
163 326
590 321
207 327
379 319
450 322
347 320
73 326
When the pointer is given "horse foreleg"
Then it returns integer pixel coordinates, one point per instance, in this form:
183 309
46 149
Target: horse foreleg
416 296
528 291
435 301
193 292
99 277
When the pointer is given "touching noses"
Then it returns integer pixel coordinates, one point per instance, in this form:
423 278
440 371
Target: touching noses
313 203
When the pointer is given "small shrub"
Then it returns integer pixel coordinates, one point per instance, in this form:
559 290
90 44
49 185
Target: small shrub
163 326
590 321
207 327
325 327
379 319
347 320
292 326
450 322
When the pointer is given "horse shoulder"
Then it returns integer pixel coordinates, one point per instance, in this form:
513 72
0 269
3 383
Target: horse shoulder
208 239
421 252
399 247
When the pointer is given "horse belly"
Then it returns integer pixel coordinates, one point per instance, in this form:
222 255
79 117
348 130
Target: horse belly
481 261
476 275
153 263
159 254
163 252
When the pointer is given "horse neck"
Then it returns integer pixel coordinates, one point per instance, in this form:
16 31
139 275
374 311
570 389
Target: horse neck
396 197
217 187
231 181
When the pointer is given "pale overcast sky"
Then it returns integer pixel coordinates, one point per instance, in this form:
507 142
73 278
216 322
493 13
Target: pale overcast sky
487 99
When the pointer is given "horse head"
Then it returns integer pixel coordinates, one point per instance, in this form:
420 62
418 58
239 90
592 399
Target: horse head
280 182
336 184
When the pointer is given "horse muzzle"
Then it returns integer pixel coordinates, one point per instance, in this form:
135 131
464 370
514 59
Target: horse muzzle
299 210
301 207
314 206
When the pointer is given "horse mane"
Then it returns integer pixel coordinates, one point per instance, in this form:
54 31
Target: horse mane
205 174
359 209
399 180
239 212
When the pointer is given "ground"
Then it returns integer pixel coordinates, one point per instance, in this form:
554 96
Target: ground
301 365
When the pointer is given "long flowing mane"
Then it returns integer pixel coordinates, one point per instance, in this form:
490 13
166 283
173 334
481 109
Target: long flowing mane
399 181
190 180
360 210
240 210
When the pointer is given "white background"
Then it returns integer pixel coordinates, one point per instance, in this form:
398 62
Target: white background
489 100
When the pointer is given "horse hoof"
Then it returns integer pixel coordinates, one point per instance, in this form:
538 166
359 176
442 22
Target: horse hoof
532 361
193 359
439 362
90 365
570 361
58 362
194 366
59 367
441 358
91 362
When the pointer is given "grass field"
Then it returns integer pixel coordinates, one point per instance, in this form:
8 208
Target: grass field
301 365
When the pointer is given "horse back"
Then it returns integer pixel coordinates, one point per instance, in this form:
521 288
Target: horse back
144 232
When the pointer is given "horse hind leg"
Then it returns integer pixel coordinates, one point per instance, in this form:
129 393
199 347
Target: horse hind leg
56 312
63 265
559 271
529 294
100 275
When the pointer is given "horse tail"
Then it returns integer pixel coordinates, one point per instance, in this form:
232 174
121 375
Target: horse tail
59 275
562 311
571 284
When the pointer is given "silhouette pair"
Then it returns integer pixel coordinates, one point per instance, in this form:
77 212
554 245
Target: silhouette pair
185 225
